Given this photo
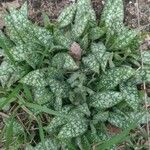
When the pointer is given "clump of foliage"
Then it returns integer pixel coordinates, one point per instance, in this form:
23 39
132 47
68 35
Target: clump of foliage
82 71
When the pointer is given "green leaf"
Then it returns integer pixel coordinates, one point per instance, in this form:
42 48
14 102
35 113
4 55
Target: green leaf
24 9
16 23
6 107
64 61
91 63
85 143
124 120
35 78
84 7
79 27
113 13
84 109
9 132
58 103
124 39
66 16
21 30
9 74
11 97
49 144
146 57
98 49
58 121
73 129
62 40
100 117
26 52
16 126
105 59
130 92
59 88
118 120
77 78
112 77
42 95
85 42
143 116
5 43
96 33
105 99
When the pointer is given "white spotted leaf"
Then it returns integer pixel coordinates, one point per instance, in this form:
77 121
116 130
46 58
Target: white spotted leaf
35 78
113 77
73 128
91 63
106 99
130 92
66 16
64 61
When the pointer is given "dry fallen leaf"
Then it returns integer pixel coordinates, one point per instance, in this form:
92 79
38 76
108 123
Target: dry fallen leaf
1 18
112 129
75 51
13 4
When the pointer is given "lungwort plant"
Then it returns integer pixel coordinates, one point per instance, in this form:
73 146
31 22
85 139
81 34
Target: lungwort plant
74 77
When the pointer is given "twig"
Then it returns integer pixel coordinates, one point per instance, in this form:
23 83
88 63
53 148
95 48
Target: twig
4 115
144 84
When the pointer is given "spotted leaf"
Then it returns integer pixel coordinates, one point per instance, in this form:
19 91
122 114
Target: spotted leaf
84 7
146 57
79 27
91 63
56 122
124 39
21 30
17 127
62 40
9 73
112 13
26 52
49 144
97 33
5 43
35 78
105 99
42 95
98 50
73 129
100 117
112 77
67 15
85 42
130 92
64 61
105 59
118 120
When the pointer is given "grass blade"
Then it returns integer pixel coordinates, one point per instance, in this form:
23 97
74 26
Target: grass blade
44 109
41 132
11 97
